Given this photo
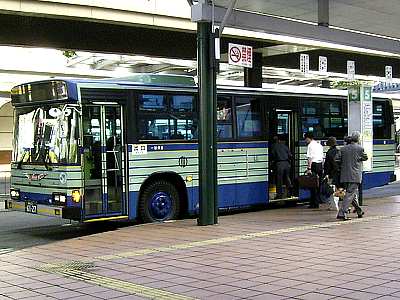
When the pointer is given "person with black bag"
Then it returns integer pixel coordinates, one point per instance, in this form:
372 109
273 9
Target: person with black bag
332 172
315 157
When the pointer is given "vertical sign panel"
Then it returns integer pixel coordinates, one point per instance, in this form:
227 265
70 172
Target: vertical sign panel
351 69
367 122
304 63
354 110
360 119
323 64
388 73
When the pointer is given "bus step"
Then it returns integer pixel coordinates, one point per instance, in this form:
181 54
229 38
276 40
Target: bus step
285 199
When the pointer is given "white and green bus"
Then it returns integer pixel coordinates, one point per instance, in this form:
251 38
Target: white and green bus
91 150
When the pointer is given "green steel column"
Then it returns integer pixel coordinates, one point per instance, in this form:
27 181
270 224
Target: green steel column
207 126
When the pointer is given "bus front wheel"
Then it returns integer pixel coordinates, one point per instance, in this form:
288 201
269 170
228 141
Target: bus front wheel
159 202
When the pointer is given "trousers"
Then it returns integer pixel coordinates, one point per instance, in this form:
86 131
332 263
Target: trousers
316 168
282 175
351 197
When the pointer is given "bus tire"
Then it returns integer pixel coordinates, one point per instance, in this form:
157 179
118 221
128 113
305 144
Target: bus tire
159 202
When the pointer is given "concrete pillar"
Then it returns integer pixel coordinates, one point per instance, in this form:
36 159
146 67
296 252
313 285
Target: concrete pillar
208 202
253 77
323 13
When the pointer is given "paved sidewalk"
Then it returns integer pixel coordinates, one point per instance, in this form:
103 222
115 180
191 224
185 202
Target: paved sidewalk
290 253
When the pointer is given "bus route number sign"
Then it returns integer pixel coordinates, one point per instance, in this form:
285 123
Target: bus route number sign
240 55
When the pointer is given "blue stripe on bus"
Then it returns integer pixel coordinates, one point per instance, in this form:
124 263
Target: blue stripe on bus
194 146
233 195
171 147
376 179
304 194
229 196
383 142
42 198
370 180
247 194
341 142
133 205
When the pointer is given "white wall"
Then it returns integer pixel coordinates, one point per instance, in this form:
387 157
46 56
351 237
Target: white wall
6 126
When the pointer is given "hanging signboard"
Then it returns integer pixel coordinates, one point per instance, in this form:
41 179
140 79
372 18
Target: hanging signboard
240 55
383 87
388 73
304 63
351 69
323 64
360 118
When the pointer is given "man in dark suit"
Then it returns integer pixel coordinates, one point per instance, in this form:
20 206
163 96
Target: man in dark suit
351 157
281 156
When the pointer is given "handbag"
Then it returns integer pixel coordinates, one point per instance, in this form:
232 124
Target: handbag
326 188
308 181
340 193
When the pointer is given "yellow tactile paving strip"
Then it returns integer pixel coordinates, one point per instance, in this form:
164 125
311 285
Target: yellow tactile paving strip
80 270
234 238
116 284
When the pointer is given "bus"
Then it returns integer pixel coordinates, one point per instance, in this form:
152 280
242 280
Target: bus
90 150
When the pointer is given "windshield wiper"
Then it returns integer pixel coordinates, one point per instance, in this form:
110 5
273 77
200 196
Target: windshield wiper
45 157
19 165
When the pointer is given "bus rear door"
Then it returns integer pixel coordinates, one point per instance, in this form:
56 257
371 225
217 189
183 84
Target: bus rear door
283 124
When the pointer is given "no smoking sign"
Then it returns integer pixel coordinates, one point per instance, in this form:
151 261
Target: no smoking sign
240 55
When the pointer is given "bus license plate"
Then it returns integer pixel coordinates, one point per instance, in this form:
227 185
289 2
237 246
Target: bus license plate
31 207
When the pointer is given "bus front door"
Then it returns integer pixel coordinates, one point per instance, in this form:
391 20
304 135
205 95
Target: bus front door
103 162
283 126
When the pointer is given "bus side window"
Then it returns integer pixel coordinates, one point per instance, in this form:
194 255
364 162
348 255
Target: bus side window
224 117
381 129
166 117
248 117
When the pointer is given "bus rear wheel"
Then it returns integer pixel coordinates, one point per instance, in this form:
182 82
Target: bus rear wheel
159 202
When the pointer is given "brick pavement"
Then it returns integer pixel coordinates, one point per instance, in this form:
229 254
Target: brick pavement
290 253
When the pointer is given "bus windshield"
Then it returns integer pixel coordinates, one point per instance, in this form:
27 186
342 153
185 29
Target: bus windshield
46 135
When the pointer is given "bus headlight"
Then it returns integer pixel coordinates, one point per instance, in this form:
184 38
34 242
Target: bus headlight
76 196
14 194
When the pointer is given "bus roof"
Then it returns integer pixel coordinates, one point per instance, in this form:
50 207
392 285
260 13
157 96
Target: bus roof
165 80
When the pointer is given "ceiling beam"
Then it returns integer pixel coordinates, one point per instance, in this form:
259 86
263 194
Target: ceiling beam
331 37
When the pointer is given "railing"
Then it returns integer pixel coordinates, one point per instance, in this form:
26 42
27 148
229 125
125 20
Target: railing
5 181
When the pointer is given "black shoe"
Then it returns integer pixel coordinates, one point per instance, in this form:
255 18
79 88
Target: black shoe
343 218
360 215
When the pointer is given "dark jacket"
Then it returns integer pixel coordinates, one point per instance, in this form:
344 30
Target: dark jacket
331 166
351 157
280 152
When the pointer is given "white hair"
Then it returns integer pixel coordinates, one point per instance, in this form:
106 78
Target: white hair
355 136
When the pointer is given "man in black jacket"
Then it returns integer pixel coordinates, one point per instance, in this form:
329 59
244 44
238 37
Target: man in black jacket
281 156
331 169
331 166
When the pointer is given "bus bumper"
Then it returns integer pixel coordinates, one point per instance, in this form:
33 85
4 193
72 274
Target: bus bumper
37 209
